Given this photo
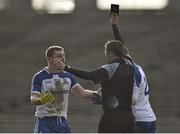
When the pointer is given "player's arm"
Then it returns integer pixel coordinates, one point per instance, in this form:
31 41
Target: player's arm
41 99
97 76
80 91
37 97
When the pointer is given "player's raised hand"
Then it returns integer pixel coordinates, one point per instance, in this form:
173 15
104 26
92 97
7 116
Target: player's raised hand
46 97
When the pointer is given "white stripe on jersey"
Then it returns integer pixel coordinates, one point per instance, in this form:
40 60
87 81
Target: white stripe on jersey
35 92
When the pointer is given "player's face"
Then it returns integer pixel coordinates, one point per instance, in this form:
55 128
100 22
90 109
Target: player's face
59 55
57 60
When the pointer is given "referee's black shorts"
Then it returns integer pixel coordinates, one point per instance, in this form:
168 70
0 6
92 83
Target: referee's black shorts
117 122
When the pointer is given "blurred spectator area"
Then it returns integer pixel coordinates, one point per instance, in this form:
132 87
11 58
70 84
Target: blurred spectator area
152 37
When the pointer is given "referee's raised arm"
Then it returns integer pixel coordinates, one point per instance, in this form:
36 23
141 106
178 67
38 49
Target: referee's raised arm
117 36
115 27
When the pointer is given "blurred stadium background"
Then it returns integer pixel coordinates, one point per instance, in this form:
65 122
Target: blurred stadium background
152 36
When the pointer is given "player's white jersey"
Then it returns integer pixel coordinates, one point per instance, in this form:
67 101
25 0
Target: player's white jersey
60 84
141 107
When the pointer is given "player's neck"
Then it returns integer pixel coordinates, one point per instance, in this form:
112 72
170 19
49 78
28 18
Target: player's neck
114 58
52 69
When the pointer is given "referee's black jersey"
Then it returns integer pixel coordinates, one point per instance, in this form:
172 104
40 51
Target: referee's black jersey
118 89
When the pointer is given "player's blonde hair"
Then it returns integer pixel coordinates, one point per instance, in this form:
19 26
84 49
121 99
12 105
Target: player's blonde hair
50 51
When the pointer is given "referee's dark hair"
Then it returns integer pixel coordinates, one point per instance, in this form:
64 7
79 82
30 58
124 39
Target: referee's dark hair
115 46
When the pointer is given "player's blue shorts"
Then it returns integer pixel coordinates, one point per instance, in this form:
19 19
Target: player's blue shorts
145 127
52 124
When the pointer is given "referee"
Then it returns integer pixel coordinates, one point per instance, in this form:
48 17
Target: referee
116 79
145 118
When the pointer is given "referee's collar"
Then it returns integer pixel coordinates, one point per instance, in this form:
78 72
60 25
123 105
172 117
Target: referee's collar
119 60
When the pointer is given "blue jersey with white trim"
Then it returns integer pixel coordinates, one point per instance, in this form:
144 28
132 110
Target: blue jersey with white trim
141 107
60 84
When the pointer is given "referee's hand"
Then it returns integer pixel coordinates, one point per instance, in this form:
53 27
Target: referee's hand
96 99
59 64
114 19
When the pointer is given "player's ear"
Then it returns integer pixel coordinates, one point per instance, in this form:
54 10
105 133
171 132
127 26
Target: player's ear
50 59
111 54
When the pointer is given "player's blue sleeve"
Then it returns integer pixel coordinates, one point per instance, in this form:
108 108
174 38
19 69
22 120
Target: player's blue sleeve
137 76
36 84
73 80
